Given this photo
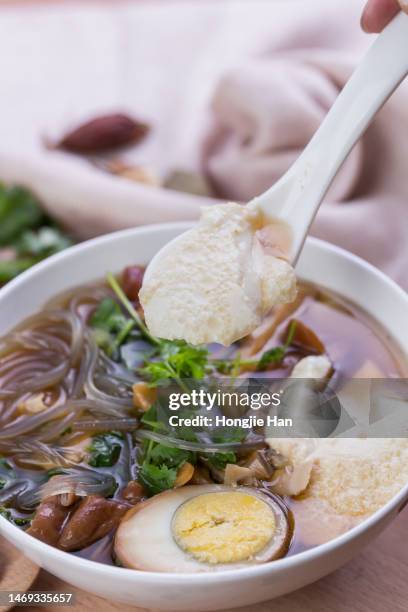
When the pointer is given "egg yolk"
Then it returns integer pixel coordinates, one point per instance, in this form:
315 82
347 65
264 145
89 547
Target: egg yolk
223 527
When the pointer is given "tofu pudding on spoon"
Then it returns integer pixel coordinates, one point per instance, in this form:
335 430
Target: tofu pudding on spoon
218 280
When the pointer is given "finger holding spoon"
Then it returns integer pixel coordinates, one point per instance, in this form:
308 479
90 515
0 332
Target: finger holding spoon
378 13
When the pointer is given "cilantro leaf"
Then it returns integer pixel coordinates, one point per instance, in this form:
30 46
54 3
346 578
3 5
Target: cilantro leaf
12 268
156 479
220 460
104 450
111 326
170 456
27 230
177 360
157 373
160 465
232 434
42 243
19 210
129 307
16 520
274 355
151 419
108 316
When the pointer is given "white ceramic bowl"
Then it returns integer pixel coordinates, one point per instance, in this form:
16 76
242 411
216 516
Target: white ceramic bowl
320 263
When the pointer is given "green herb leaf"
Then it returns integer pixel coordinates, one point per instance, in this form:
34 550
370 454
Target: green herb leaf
108 316
21 219
150 418
172 457
220 460
42 243
157 373
274 355
19 521
232 434
111 326
12 268
19 210
176 361
105 450
160 464
156 479
127 305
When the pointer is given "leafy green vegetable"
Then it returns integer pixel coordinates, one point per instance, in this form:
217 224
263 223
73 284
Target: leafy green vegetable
160 464
111 326
5 513
26 230
273 355
108 316
16 520
19 210
156 479
127 305
150 418
186 360
12 268
42 243
105 450
220 460
172 457
176 361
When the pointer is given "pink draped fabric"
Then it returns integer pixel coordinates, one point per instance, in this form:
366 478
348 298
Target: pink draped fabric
233 89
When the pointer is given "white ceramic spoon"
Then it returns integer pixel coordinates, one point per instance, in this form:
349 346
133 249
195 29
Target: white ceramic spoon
296 197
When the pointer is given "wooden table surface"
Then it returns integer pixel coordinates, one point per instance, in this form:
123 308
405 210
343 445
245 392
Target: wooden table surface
375 581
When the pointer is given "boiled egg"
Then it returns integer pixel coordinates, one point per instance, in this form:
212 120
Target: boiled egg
202 528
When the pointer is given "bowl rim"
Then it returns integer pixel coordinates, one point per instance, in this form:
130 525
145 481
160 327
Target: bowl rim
397 502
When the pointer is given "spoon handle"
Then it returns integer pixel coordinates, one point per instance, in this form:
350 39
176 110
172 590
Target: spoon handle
296 197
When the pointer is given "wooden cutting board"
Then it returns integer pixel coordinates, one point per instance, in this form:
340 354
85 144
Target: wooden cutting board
375 581
17 573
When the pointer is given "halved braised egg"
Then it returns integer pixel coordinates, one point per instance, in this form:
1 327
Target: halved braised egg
203 528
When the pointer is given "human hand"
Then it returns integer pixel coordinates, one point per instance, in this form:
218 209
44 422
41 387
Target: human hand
378 13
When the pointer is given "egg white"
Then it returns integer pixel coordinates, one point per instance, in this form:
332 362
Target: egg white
144 539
